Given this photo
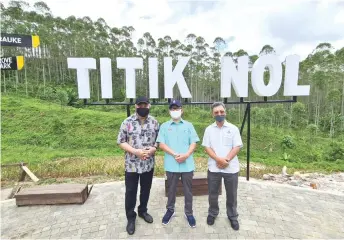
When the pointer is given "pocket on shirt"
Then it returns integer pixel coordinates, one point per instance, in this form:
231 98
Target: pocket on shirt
186 137
134 137
227 140
134 134
150 136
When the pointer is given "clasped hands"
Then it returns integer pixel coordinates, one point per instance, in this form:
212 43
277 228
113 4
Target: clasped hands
222 162
145 153
180 157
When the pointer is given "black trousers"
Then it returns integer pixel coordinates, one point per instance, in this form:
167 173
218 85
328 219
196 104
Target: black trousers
131 185
231 185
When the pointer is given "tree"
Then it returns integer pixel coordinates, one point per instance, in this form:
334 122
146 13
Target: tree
220 44
333 96
42 8
267 49
46 66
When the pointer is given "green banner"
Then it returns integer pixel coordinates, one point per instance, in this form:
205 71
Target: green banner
18 40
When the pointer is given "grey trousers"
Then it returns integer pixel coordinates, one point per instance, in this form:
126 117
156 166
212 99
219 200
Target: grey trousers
231 186
172 181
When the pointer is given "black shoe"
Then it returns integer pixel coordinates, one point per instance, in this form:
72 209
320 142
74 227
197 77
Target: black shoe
234 224
210 220
148 218
131 227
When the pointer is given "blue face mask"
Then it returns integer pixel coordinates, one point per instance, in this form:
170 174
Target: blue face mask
220 118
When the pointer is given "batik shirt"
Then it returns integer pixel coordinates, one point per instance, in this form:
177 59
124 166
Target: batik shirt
138 136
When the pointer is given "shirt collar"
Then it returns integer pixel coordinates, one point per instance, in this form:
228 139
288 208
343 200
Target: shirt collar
135 117
171 121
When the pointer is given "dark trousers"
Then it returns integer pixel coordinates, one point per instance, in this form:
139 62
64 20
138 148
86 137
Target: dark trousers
131 185
172 181
231 186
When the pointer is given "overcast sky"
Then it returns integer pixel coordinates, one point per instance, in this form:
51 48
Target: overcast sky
290 26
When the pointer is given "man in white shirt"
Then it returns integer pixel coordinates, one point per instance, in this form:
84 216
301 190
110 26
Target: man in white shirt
222 142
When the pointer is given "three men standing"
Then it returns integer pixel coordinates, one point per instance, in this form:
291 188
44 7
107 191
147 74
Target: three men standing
222 142
178 138
137 137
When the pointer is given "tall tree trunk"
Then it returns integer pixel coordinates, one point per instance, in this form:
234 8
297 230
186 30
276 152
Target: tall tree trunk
57 75
291 115
38 67
49 73
332 124
342 108
98 86
4 83
43 81
17 81
27 94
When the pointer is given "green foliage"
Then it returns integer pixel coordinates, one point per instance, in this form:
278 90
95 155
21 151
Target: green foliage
312 129
299 115
335 152
288 142
45 75
62 96
337 121
44 132
40 132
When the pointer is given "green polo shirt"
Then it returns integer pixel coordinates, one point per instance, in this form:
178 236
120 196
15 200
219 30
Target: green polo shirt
178 136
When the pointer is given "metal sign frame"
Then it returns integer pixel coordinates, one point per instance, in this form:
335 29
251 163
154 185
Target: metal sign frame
247 115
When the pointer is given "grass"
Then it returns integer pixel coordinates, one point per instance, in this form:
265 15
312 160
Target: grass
81 142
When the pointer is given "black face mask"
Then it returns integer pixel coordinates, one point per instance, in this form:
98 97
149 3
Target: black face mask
143 112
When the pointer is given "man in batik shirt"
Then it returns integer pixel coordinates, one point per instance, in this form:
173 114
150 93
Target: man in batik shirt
137 137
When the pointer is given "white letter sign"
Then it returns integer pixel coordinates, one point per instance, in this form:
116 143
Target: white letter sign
291 76
275 68
175 76
232 73
106 77
130 64
153 78
82 65
239 78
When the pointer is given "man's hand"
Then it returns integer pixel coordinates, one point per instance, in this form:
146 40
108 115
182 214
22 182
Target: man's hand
150 151
222 162
142 154
181 157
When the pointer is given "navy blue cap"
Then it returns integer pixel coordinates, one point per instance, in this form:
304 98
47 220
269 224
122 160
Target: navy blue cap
142 100
175 102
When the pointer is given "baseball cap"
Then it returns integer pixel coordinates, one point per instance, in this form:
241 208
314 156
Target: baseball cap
175 102
142 100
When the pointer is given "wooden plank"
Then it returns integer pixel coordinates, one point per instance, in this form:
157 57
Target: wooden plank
13 165
51 199
54 188
31 175
53 194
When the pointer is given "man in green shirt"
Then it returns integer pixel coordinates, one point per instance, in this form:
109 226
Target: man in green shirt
178 138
